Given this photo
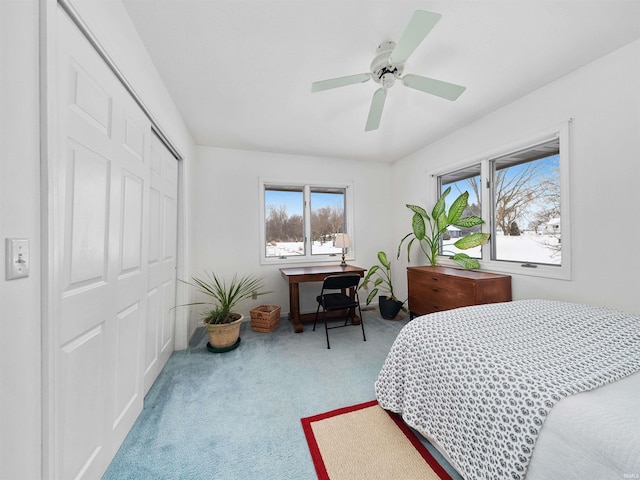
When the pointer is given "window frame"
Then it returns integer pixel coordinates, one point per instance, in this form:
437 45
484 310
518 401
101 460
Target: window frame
487 262
308 257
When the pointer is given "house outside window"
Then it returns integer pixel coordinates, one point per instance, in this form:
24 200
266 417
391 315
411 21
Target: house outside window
522 194
300 221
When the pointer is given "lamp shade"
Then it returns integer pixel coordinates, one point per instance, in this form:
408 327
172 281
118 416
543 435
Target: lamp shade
342 240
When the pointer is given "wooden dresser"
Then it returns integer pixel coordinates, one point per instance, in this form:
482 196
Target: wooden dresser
432 289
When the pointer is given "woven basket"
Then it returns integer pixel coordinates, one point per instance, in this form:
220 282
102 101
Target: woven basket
265 318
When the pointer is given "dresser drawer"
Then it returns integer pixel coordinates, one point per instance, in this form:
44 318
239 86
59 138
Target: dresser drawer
436 298
425 308
435 280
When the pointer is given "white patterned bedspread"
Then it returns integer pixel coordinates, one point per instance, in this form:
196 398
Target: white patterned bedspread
482 380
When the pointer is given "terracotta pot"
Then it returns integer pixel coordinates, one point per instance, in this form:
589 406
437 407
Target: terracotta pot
222 335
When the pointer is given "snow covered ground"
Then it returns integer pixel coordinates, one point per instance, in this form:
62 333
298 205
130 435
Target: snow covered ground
288 249
528 247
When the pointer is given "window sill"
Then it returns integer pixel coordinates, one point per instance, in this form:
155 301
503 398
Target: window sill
516 268
336 259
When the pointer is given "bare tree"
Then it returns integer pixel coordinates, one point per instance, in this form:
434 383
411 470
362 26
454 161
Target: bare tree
294 228
516 194
280 227
549 209
326 221
530 194
276 222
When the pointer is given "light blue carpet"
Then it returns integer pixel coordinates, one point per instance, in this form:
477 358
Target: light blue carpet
237 415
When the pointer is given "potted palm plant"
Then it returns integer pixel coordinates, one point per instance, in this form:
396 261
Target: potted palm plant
430 242
389 304
220 321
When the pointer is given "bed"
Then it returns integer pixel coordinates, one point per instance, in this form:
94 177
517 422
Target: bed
481 382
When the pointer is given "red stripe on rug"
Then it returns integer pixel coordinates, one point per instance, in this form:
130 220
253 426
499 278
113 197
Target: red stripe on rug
415 441
316 456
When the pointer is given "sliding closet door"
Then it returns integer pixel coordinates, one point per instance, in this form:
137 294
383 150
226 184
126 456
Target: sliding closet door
161 295
106 223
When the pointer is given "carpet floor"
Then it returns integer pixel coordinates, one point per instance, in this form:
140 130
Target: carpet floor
237 415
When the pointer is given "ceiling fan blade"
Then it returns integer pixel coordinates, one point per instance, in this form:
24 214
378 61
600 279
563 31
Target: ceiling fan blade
375 111
339 82
418 28
450 91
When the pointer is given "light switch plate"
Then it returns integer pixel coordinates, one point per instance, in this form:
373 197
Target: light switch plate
16 258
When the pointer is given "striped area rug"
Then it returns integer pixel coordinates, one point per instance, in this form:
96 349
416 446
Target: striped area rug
366 442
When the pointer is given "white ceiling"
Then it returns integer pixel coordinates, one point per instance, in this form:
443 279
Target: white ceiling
240 71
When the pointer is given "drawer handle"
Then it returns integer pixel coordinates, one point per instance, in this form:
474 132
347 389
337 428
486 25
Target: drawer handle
435 289
435 279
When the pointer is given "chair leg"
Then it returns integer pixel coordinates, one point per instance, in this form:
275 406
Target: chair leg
316 319
326 329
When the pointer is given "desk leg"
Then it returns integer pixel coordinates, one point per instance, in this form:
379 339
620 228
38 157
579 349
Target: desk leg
294 306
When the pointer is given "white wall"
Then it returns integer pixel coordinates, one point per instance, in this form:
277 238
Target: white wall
604 101
20 300
19 217
225 213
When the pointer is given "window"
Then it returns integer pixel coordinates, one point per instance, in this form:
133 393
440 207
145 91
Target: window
327 219
300 221
284 221
460 181
525 189
522 195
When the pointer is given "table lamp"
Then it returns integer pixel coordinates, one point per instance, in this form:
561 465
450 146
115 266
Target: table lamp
342 241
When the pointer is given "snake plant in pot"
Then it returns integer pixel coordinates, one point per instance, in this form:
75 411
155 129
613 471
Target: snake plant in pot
221 322
430 240
389 304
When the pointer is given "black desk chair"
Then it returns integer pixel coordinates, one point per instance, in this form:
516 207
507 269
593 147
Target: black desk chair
332 301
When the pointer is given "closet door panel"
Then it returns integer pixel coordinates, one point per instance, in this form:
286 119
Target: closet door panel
161 295
112 266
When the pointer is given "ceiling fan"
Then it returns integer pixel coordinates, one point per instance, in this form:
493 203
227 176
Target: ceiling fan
388 65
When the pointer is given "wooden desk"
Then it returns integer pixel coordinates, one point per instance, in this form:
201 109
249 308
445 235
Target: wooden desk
296 275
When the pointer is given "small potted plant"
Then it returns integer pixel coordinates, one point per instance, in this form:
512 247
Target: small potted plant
389 304
440 219
221 322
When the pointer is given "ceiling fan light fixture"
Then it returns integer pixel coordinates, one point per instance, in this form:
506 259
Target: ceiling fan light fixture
382 71
387 80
